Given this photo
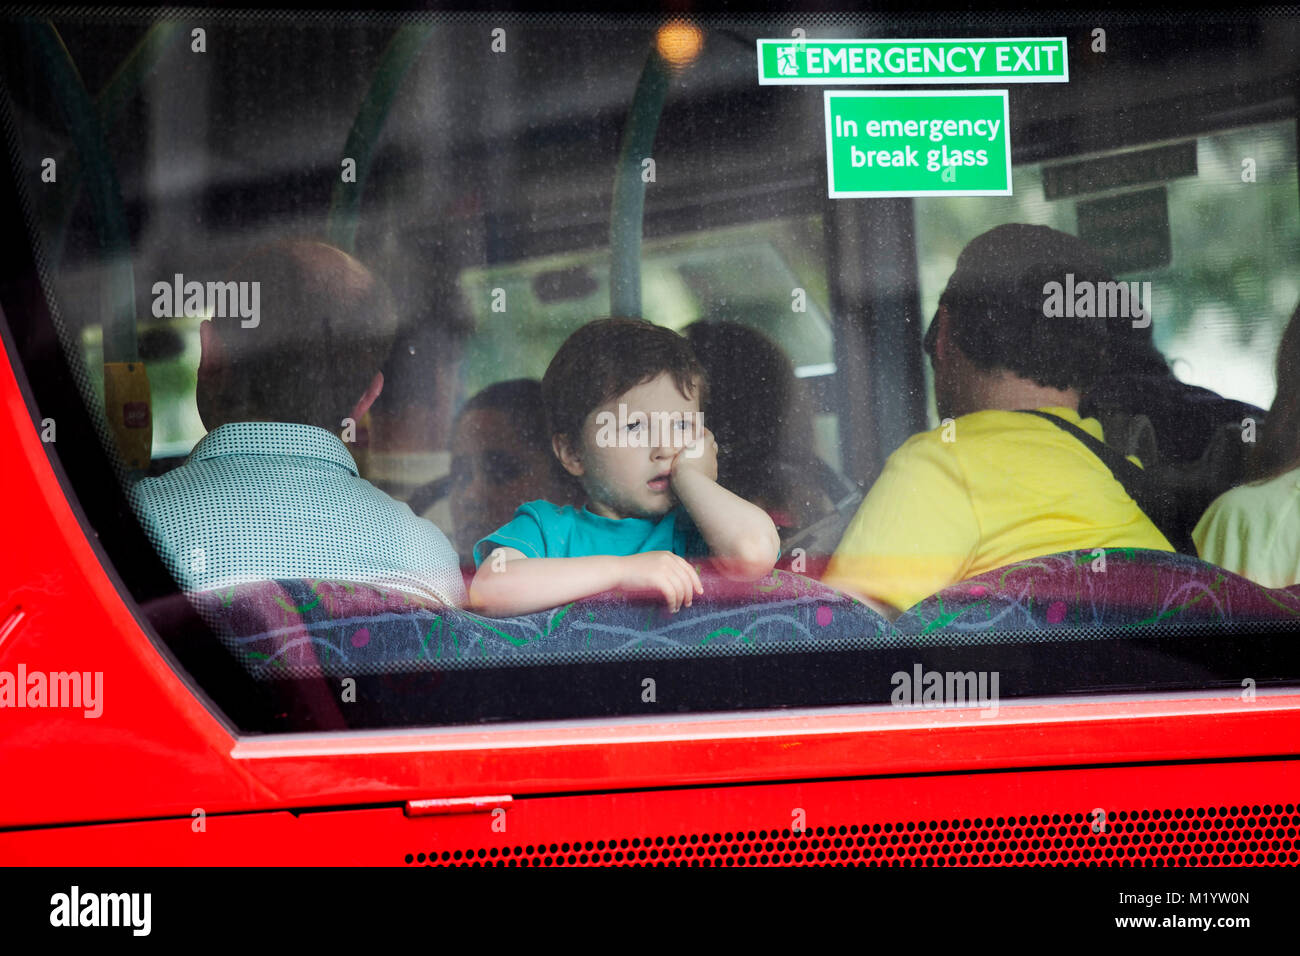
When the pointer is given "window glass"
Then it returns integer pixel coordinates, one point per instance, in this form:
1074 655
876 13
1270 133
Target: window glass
289 286
769 276
170 351
1219 310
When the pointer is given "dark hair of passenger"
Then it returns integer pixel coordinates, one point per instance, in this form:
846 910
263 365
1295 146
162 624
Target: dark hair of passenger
1279 446
606 358
1133 351
757 410
325 327
995 302
520 400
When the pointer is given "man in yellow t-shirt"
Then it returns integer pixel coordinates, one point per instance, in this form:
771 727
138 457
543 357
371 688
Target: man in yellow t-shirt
991 485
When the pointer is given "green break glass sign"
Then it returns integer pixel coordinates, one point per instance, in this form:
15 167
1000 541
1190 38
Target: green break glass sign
954 143
801 61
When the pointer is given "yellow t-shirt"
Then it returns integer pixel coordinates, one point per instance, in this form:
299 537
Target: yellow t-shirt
1254 530
1005 487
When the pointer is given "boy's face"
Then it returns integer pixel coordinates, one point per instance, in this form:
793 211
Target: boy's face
624 461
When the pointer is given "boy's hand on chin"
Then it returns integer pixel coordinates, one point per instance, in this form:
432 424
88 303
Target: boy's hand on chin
699 455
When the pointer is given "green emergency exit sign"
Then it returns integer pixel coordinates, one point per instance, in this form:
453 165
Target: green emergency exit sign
877 62
881 144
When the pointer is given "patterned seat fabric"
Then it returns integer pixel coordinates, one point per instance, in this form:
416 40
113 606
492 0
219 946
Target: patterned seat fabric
296 629
280 629
1079 594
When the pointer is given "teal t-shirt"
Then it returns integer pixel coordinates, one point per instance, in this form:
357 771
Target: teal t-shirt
540 529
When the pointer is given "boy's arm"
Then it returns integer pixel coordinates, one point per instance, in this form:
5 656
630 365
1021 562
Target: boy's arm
741 537
509 583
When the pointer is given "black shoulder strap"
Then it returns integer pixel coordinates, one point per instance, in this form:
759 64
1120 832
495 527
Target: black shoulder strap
1125 471
1135 481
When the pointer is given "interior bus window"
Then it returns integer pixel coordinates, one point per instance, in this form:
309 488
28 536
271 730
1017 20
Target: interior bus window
261 286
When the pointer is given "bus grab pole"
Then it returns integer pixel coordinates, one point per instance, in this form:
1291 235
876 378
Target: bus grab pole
82 122
109 104
126 382
627 210
397 59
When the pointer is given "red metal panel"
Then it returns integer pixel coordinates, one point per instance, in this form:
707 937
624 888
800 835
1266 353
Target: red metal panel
154 748
594 755
1173 815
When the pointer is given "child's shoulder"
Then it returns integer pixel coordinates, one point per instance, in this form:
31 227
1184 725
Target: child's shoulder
538 530
547 512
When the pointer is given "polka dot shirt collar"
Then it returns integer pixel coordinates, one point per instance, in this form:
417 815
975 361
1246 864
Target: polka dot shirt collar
273 439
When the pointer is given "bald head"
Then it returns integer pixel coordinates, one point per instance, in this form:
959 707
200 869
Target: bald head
326 324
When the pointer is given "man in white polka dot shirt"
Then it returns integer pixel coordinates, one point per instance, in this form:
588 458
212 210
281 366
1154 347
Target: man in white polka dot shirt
271 492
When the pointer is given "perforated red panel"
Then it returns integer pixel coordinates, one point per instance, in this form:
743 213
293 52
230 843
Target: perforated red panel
1239 812
1186 836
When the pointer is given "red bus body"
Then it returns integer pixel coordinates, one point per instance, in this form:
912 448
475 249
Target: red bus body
158 778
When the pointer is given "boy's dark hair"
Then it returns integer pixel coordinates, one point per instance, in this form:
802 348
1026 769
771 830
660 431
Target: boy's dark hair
995 303
604 359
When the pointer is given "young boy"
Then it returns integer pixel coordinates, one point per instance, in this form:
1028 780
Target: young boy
623 400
